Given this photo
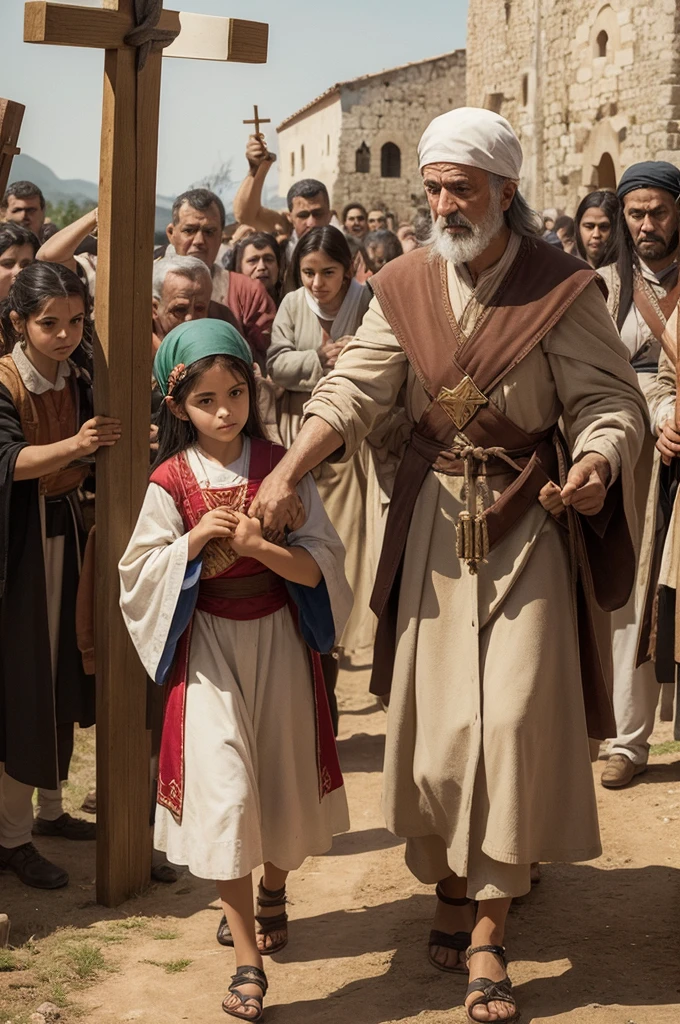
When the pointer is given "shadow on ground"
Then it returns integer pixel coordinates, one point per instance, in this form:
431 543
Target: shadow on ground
617 928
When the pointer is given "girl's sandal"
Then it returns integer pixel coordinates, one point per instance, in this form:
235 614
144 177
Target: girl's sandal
224 936
268 925
459 941
275 923
247 976
491 991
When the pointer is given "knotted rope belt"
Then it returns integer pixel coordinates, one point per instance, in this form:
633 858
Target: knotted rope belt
484 520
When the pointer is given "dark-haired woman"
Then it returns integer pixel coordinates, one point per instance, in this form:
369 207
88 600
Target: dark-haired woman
259 257
596 225
311 328
18 247
47 439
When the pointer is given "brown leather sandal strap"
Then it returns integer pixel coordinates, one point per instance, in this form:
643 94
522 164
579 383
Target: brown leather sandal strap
450 900
498 951
275 923
267 898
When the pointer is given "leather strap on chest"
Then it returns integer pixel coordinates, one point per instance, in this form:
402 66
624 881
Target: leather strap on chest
654 309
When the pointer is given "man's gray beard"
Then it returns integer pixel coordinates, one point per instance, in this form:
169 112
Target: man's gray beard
464 250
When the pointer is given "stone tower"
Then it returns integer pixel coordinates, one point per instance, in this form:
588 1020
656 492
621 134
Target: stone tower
590 86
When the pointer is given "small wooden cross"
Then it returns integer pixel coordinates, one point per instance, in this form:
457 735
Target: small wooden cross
123 316
257 121
11 116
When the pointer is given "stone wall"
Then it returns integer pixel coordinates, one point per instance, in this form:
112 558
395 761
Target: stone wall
590 87
395 107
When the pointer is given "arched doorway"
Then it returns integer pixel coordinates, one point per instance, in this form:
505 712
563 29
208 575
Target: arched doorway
605 172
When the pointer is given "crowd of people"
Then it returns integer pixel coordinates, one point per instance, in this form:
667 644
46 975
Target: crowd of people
337 474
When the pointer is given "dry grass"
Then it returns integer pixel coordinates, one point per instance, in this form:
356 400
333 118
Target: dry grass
170 966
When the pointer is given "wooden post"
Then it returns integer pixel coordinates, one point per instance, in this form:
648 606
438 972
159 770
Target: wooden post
11 116
123 316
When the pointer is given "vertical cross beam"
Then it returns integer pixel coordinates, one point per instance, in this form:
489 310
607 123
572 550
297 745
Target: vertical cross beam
11 116
123 314
127 200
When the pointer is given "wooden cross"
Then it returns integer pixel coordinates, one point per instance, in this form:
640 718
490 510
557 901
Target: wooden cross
127 204
11 116
257 121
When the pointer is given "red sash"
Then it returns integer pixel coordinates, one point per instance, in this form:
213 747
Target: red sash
177 478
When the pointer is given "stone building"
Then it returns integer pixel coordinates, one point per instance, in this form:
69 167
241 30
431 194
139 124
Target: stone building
590 85
360 137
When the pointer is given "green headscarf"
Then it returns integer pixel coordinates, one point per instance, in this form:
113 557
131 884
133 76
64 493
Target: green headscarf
195 340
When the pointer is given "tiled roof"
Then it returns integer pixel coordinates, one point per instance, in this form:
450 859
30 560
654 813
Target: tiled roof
362 78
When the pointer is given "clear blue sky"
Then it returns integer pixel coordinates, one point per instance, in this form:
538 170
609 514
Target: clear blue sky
312 46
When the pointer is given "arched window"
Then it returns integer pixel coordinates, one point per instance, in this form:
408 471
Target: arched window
362 163
292 164
390 161
302 158
601 44
525 90
605 173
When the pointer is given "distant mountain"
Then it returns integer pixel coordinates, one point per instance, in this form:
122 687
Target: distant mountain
25 168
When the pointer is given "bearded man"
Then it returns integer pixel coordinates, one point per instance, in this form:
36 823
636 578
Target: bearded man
644 290
496 336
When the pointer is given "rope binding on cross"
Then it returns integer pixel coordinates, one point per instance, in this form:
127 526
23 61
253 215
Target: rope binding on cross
146 35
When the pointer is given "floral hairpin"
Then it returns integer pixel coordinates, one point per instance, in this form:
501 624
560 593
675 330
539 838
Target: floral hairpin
176 375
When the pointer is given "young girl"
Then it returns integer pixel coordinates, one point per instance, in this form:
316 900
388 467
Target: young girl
207 600
47 437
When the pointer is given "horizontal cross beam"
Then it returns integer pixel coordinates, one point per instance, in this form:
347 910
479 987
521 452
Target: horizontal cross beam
201 36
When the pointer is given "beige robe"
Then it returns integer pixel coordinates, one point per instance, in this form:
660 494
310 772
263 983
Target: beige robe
627 622
487 761
352 493
251 786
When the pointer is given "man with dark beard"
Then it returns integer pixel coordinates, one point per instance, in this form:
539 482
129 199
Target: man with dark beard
491 336
643 292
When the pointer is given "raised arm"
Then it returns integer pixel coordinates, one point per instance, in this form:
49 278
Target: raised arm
61 247
248 208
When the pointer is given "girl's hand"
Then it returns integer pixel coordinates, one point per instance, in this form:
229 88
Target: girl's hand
99 432
247 534
218 523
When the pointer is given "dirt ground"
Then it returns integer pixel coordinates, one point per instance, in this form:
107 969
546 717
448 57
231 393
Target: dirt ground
594 943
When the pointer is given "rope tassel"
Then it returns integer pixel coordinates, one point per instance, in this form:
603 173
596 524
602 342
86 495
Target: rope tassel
472 534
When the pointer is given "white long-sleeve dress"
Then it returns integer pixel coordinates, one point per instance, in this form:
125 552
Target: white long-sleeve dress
251 789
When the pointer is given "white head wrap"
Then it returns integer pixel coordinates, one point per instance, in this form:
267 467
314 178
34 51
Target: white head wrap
474 137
